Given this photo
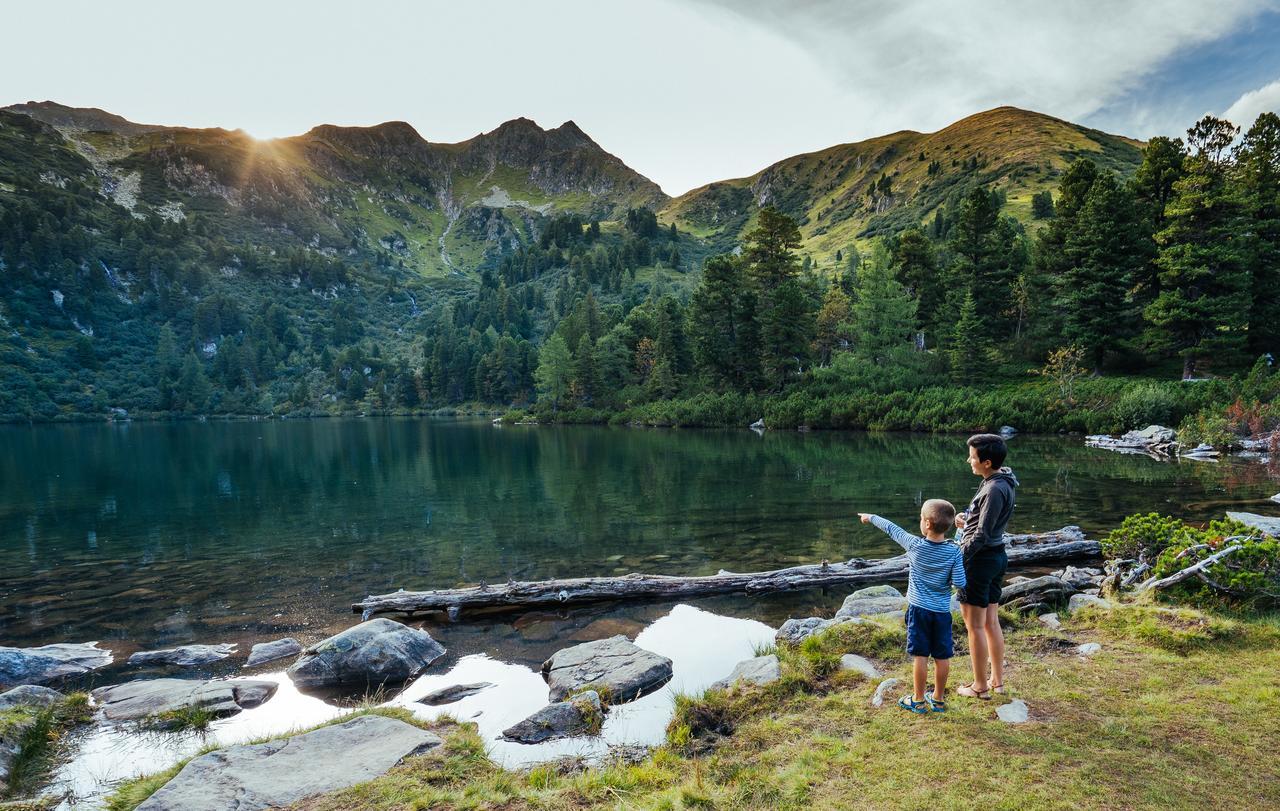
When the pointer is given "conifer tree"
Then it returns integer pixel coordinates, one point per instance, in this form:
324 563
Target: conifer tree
1258 179
884 313
968 344
555 371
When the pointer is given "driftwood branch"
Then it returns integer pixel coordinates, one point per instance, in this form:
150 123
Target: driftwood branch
1191 571
1068 543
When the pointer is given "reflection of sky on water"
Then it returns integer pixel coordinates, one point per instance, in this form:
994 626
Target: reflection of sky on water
702 646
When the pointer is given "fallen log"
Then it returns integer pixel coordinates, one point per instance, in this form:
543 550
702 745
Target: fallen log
1068 543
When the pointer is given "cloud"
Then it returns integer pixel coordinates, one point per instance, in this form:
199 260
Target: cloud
1248 107
928 63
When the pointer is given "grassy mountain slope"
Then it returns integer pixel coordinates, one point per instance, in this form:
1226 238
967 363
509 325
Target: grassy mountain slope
834 194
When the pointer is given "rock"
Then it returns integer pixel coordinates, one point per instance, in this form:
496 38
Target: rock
136 700
759 670
794 631
1015 712
758 425
1276 498
184 656
1051 621
613 666
283 771
877 699
50 662
852 661
29 695
1201 451
581 715
456 692
1007 430
373 653
1154 439
872 601
1267 524
1080 578
1079 601
264 652
1088 648
1155 434
1037 593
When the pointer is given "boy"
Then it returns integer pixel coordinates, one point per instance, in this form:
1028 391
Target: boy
985 562
936 566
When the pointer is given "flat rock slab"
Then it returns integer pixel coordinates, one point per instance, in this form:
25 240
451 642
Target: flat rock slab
283 771
264 652
50 662
614 666
29 695
872 601
373 653
759 670
1267 524
581 715
1015 712
136 700
454 692
184 656
859 664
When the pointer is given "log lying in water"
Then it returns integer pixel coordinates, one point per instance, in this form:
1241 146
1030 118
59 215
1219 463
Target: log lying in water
1068 543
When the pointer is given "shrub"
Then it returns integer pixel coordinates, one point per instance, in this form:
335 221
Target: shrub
1250 576
1146 536
1145 404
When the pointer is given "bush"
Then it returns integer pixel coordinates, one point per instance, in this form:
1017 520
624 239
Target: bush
1248 577
1148 536
1145 404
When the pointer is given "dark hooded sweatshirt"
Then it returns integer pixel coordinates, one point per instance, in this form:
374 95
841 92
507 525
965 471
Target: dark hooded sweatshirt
989 513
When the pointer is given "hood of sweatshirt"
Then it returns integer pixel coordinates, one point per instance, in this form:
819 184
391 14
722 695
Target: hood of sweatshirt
1005 474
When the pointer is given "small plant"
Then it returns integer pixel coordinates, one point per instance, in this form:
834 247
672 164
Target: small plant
1063 367
183 719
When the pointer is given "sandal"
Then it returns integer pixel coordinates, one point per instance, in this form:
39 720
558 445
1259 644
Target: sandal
918 707
998 689
935 704
967 691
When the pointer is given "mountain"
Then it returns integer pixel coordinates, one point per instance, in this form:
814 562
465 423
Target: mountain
441 209
849 193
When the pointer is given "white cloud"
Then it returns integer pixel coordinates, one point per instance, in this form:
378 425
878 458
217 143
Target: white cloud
1248 107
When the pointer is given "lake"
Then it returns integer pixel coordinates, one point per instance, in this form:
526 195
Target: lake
146 535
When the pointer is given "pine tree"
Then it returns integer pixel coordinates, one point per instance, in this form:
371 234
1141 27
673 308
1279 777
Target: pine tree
715 318
555 371
988 257
770 249
916 264
1202 307
833 329
1042 205
786 329
193 386
1258 179
585 373
968 344
883 315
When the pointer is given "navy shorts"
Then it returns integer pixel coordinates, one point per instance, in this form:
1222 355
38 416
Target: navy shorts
983 574
929 633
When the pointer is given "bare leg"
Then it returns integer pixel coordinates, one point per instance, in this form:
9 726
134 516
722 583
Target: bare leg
919 675
975 619
995 643
942 669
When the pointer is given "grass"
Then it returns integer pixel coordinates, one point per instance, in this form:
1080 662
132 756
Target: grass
1172 713
38 733
182 719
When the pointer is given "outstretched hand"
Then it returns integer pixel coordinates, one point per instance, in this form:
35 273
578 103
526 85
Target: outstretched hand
866 517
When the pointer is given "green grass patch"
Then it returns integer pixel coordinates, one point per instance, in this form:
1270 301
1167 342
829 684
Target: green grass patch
37 733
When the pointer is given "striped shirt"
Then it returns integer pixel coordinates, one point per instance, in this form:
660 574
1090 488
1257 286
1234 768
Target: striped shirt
936 566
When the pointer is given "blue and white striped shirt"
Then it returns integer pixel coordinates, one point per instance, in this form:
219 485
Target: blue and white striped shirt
936 566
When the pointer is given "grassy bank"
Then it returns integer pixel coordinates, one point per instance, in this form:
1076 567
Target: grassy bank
34 734
1176 710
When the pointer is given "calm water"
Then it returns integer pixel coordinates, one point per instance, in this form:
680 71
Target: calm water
157 534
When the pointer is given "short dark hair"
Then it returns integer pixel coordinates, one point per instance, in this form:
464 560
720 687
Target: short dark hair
990 448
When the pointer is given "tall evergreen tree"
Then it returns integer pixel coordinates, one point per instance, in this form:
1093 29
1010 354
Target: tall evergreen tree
833 328
1202 307
770 250
1258 180
916 263
884 313
967 350
716 316
988 257
555 371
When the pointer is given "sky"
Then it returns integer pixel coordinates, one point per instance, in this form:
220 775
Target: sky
684 91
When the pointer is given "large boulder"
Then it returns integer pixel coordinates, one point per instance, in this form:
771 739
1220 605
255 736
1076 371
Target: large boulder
759 670
283 771
794 631
1037 594
617 669
184 656
149 698
29 695
374 653
264 652
50 663
581 715
872 601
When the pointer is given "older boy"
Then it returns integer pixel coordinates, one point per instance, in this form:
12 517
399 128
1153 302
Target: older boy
985 561
936 566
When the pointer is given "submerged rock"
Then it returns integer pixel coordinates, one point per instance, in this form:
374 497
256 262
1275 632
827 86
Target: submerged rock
456 692
759 670
872 601
29 695
137 700
373 653
50 663
581 715
618 669
283 771
184 656
264 652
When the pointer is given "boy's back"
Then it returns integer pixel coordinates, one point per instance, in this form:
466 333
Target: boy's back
936 566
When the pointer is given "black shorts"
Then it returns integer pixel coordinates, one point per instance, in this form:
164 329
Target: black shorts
983 573
929 633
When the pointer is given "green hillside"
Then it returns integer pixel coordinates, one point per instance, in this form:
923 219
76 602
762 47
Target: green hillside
848 194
